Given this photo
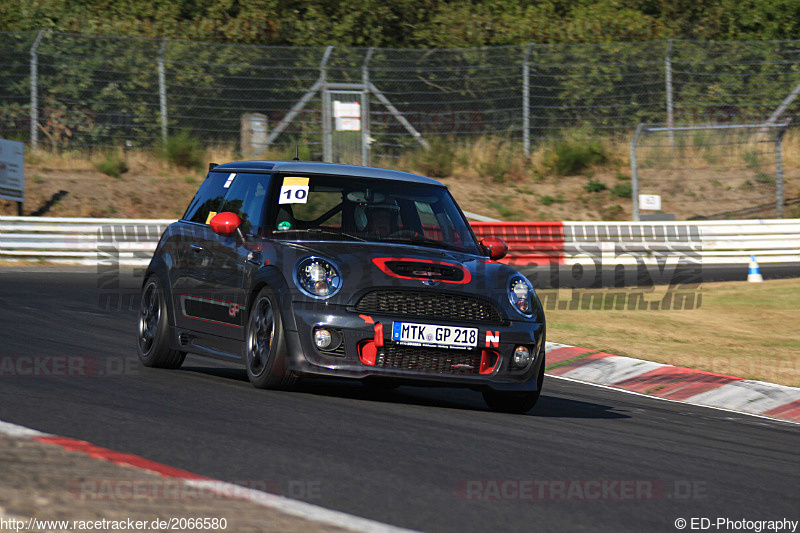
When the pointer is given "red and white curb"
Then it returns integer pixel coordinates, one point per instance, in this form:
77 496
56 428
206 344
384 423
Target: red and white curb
674 383
282 504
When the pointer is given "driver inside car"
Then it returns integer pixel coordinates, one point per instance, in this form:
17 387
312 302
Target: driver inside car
381 220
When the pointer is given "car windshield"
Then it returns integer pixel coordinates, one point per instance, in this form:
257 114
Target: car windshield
373 210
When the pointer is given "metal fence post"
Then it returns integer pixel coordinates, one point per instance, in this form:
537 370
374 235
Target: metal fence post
526 102
162 90
635 173
35 91
366 139
668 81
327 138
779 173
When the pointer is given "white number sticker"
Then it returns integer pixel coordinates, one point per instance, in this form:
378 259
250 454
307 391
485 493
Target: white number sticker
294 191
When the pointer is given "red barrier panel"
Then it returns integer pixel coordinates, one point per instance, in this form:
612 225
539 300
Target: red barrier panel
528 242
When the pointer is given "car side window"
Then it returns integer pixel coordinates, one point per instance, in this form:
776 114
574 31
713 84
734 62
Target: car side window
323 208
208 199
245 196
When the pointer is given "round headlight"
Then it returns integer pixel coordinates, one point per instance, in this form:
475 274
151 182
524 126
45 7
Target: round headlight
316 272
317 277
520 294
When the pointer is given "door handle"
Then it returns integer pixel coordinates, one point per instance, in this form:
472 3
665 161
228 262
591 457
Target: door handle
196 248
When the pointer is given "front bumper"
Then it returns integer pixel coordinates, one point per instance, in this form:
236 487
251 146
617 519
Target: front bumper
366 350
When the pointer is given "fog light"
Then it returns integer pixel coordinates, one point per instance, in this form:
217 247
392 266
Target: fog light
522 356
322 338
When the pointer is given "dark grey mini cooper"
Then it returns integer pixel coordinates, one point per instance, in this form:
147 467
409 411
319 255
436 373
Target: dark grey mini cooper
312 269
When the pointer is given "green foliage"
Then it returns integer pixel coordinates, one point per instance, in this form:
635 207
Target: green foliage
752 158
499 165
766 179
576 85
549 200
503 209
613 212
184 150
112 164
496 168
622 190
438 161
409 23
288 152
594 186
570 156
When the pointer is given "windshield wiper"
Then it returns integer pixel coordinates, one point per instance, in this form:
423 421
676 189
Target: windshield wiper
320 231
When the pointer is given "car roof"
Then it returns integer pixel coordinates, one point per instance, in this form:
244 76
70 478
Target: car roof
308 167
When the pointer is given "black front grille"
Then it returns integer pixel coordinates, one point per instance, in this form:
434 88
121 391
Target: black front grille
429 304
338 351
429 360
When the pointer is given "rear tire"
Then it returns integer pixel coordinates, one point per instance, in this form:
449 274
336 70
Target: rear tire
516 402
153 328
265 345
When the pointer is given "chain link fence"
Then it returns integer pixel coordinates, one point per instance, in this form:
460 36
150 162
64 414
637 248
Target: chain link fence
697 172
69 91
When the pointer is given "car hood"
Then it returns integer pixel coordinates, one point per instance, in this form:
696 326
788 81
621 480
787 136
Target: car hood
367 265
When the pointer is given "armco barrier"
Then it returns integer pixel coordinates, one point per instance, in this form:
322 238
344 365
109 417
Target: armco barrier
528 242
710 242
80 240
132 241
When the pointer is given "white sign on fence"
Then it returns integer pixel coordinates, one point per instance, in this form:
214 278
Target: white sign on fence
650 201
12 168
347 115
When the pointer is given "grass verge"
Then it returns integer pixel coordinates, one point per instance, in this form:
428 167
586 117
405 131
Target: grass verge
748 330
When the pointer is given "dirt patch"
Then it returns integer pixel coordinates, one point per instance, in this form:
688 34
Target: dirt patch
49 483
89 193
72 187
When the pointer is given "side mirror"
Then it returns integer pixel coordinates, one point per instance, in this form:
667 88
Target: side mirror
225 223
495 247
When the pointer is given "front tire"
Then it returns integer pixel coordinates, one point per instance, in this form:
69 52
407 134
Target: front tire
516 402
153 328
265 345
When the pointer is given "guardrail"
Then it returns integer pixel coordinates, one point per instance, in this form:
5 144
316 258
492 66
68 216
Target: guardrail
132 241
709 242
80 240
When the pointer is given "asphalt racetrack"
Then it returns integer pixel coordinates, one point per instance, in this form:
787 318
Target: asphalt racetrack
585 459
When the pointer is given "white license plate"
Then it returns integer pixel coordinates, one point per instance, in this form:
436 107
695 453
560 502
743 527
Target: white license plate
431 335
